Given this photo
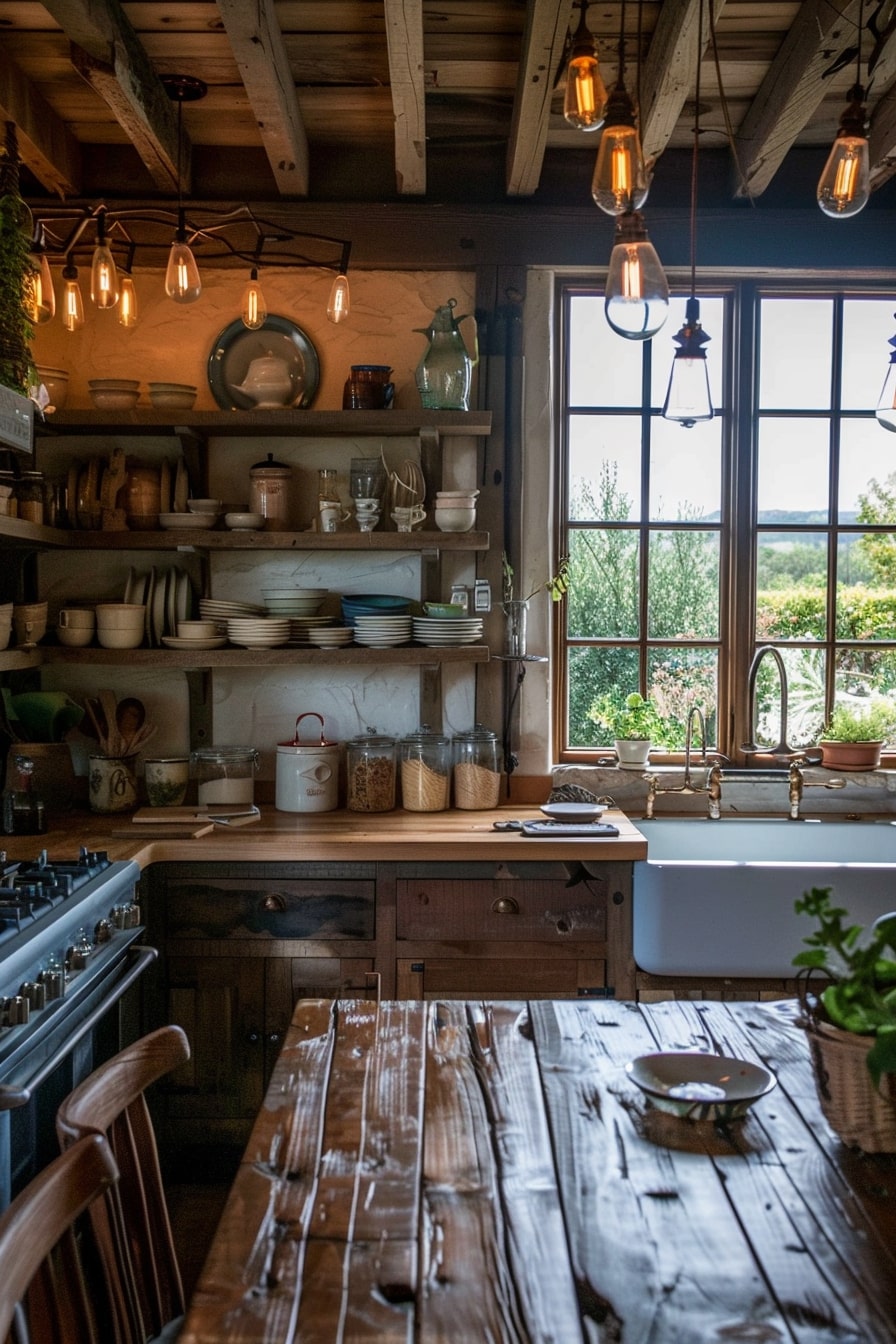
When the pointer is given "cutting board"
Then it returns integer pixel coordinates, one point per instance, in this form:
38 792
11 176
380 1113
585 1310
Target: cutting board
169 831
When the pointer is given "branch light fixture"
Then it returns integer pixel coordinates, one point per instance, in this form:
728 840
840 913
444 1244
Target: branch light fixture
585 95
688 397
845 183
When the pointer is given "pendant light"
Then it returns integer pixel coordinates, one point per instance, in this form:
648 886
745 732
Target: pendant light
339 302
72 303
687 396
845 183
583 103
182 282
253 309
40 297
620 182
886 405
103 271
127 294
636 301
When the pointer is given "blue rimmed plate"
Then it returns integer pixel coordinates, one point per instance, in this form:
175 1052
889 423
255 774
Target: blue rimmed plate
236 348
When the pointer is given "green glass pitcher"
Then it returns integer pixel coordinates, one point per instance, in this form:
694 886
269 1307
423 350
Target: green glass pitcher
445 372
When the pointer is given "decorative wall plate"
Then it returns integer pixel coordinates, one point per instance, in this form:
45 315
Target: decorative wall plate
237 347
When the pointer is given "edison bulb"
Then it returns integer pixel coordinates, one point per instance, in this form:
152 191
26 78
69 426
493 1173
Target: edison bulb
583 105
620 181
845 185
127 302
338 304
103 277
182 281
636 300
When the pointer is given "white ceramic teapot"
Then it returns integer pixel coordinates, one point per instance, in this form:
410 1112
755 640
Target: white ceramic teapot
269 383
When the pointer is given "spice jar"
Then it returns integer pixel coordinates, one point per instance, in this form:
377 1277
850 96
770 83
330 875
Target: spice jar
29 493
425 770
370 773
225 775
477 779
269 493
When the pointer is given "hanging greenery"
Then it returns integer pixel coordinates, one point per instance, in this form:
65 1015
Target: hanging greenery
16 331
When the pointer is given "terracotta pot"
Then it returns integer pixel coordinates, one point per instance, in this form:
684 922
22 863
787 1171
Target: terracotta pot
851 755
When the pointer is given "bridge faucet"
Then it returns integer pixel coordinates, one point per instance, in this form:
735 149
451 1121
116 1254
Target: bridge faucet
797 782
751 748
712 778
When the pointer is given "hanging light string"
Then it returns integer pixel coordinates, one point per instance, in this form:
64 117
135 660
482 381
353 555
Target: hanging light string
695 152
726 111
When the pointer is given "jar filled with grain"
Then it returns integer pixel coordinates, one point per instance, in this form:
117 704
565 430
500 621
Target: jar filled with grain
477 778
29 494
370 773
425 770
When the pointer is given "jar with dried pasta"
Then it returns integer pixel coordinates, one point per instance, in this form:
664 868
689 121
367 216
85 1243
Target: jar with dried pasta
425 770
477 779
370 773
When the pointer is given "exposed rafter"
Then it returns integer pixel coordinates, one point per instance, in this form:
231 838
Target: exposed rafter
404 39
46 146
257 44
544 40
670 67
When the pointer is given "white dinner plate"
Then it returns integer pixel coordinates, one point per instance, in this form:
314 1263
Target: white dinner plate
159 606
175 642
150 603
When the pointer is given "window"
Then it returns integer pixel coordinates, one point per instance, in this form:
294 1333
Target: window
772 524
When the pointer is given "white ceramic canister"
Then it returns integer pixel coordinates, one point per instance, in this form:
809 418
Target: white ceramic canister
307 772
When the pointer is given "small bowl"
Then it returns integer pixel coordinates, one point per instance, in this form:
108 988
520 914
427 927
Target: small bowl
114 384
700 1086
244 522
165 399
205 505
114 399
444 610
576 812
197 629
56 383
454 520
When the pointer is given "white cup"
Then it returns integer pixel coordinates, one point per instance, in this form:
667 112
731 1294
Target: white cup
75 626
119 625
166 780
407 518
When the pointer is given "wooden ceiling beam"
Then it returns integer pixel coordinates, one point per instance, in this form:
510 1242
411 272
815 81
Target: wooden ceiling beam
882 135
792 89
108 54
46 146
404 39
544 40
261 58
669 72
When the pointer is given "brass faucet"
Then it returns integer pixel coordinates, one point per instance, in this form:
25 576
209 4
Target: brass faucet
797 782
712 777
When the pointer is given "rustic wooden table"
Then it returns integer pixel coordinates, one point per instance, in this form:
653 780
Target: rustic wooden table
487 1171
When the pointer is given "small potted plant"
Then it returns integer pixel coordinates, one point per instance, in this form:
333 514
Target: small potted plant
852 1023
856 732
633 721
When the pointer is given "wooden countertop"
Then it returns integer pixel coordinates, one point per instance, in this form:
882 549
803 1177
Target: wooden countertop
452 836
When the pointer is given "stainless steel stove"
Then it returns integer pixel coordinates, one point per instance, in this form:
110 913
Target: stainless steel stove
69 952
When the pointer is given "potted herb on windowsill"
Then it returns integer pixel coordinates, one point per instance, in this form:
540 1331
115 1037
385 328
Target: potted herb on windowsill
855 734
852 1023
634 723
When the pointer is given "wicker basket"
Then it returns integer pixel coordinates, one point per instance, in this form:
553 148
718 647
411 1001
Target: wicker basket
856 1111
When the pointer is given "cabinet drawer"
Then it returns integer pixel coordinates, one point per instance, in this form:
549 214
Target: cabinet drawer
503 910
501 978
276 907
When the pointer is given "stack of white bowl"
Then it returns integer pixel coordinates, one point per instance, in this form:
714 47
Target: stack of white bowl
455 510
330 636
220 611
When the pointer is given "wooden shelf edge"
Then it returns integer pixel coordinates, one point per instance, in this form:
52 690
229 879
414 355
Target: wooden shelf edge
250 424
409 656
213 540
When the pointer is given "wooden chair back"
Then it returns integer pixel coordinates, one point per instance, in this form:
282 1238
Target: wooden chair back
44 1293
131 1225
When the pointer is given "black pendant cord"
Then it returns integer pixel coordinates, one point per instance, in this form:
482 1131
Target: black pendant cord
693 230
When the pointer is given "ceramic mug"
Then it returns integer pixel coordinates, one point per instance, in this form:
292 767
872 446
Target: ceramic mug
407 518
166 778
75 626
30 623
331 514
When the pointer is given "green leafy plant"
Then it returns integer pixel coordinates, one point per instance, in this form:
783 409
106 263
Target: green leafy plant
629 718
875 721
862 968
15 270
556 585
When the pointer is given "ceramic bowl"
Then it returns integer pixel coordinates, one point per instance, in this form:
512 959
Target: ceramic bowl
205 505
172 399
700 1086
114 399
114 384
244 522
56 383
444 610
179 521
454 520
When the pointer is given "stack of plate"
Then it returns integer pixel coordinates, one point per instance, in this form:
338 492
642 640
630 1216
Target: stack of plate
211 609
301 627
372 604
331 636
293 601
258 632
168 597
436 633
382 632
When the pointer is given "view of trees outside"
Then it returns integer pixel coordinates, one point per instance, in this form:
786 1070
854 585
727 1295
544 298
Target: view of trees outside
646 522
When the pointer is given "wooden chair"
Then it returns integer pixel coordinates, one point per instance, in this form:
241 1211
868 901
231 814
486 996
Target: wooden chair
44 1293
131 1225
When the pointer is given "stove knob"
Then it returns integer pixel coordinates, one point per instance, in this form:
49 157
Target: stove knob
53 981
35 993
103 931
19 1011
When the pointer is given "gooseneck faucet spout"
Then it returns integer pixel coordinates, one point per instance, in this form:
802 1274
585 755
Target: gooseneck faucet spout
783 748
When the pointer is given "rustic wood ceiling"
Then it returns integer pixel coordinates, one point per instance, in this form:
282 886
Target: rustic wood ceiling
313 98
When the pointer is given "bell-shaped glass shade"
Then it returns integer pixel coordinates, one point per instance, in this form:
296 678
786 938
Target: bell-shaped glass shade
253 309
40 296
103 277
886 402
636 300
182 281
72 303
585 98
620 182
845 184
339 303
688 397
127 302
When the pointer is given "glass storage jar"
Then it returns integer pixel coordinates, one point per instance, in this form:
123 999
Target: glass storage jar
425 770
29 493
269 487
370 773
477 779
225 775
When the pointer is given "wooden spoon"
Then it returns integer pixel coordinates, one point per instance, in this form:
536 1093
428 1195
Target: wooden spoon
113 741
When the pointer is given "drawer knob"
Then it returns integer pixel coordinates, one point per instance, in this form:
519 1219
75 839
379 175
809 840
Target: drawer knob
505 905
274 901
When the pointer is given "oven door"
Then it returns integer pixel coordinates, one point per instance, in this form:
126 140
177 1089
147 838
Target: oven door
50 1055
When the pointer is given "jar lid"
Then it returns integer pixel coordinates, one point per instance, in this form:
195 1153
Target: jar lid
476 734
224 754
425 734
270 465
373 740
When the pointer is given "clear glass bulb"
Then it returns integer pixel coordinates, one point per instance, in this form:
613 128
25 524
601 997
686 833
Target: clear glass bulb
182 282
845 184
127 302
583 105
620 182
636 300
103 277
253 310
72 303
339 304
40 296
